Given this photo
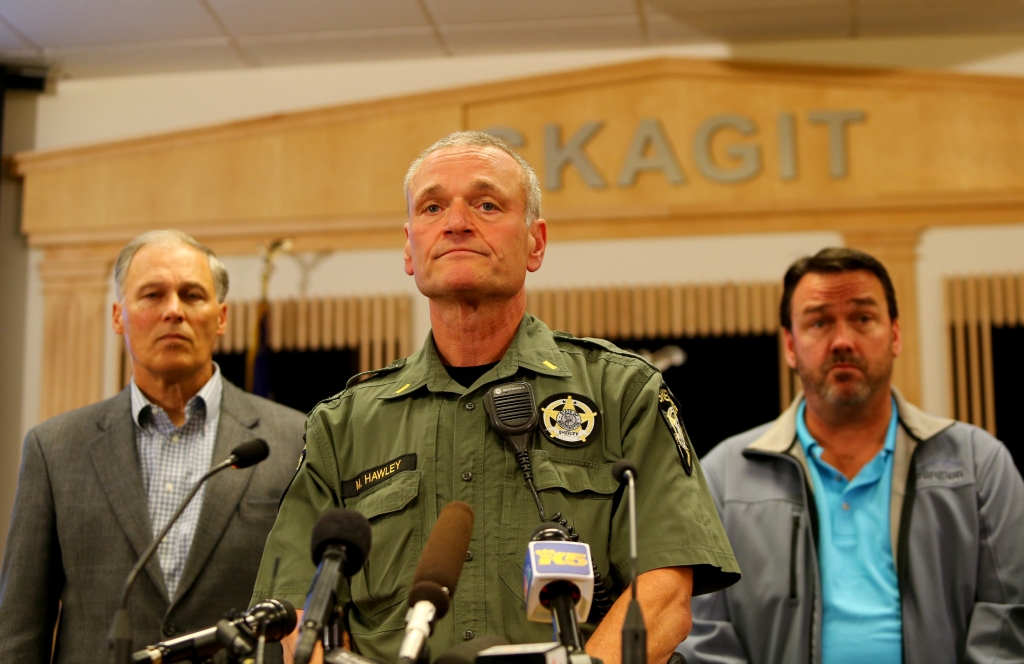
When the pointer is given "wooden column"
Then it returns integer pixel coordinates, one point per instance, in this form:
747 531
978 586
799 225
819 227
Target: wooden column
897 249
75 283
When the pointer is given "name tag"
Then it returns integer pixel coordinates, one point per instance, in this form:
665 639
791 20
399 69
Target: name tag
371 477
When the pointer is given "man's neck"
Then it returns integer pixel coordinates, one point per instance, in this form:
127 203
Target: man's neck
172 395
469 334
850 436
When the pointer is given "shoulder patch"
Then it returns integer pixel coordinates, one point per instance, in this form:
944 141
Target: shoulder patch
669 408
371 477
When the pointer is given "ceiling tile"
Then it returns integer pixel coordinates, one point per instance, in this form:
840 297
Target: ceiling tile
60 23
554 35
452 12
331 47
10 41
764 24
268 17
148 58
878 19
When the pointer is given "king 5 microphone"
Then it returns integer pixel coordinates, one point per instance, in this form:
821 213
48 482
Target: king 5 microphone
340 544
275 618
634 631
437 575
558 582
247 454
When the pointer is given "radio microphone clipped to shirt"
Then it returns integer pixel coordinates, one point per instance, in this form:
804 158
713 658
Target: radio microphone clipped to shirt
437 575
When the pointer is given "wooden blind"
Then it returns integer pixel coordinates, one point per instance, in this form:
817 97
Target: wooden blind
379 326
667 311
974 305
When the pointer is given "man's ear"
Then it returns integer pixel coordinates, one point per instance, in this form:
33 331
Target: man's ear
537 244
790 352
407 252
116 322
222 319
897 338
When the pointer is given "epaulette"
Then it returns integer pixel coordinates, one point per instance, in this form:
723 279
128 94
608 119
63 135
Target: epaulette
367 375
601 344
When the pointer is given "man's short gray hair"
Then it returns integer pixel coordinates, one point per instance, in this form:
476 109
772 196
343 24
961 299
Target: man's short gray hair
462 139
165 237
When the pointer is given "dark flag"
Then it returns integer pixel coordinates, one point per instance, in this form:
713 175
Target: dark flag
257 357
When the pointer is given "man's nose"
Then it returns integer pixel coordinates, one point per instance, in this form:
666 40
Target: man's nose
174 308
842 340
459 217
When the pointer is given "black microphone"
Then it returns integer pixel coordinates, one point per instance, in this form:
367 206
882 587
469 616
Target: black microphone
634 631
275 618
433 584
247 454
340 544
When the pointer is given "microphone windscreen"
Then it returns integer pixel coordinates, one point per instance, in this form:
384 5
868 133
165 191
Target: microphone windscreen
431 592
446 548
274 617
550 531
620 468
346 527
250 453
465 653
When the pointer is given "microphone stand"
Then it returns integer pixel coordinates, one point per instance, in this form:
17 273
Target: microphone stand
634 631
121 630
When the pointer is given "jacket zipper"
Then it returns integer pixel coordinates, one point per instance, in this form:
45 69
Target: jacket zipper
794 540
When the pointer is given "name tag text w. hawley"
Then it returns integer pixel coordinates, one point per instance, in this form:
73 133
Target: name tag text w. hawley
371 477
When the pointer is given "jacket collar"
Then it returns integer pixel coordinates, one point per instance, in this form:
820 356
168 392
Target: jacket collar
532 348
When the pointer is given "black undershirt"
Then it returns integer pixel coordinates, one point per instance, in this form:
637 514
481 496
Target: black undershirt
466 376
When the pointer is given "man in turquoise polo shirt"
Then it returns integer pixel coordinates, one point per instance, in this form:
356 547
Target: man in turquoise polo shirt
868 530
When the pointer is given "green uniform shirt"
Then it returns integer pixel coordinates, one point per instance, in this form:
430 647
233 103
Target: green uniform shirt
402 444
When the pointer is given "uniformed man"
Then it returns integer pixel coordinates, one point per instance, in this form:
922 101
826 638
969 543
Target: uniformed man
414 436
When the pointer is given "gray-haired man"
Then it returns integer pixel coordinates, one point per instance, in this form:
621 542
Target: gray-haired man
97 483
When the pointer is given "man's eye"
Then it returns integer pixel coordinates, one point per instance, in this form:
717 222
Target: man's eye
433 208
489 207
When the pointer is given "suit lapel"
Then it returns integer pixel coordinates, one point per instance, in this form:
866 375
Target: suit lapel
224 490
115 458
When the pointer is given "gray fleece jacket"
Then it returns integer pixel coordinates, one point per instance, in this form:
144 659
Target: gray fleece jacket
957 528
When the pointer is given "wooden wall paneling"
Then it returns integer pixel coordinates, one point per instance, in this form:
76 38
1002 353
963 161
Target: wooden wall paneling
404 314
998 300
390 329
559 315
690 302
648 296
757 303
973 350
599 318
717 315
1010 299
961 408
276 325
352 320
365 322
1020 298
729 311
628 323
533 302
664 308
704 310
610 297
547 307
743 322
340 323
586 312
988 389
302 326
327 324
376 332
572 317
678 311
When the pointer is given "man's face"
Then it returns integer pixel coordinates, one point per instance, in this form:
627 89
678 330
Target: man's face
169 315
843 341
467 237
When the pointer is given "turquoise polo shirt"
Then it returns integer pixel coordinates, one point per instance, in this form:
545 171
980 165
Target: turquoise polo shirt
860 592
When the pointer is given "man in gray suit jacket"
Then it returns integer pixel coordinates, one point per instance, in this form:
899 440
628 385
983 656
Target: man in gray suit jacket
97 483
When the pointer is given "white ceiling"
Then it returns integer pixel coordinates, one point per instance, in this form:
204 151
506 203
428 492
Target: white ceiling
83 38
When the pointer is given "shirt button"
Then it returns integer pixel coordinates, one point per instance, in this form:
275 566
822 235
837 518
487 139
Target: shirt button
169 486
175 438
470 406
467 476
169 629
468 635
846 506
469 556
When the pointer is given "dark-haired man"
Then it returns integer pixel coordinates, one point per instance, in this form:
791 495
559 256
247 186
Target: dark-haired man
868 530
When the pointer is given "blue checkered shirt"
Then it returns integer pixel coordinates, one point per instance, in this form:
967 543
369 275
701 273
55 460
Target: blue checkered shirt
172 460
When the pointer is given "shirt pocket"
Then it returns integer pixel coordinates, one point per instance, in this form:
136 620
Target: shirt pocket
580 491
396 544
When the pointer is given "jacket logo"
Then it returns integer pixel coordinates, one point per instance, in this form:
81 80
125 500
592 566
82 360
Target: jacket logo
569 420
941 472
371 477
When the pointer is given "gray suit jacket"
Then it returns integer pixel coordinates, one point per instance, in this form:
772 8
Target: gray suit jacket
80 522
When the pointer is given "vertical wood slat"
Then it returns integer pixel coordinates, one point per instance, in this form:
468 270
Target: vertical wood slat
703 310
960 380
678 312
650 305
627 328
611 314
988 390
729 312
743 322
376 332
587 312
302 324
599 298
973 349
362 305
390 330
690 318
717 314
1010 300
404 326
757 299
